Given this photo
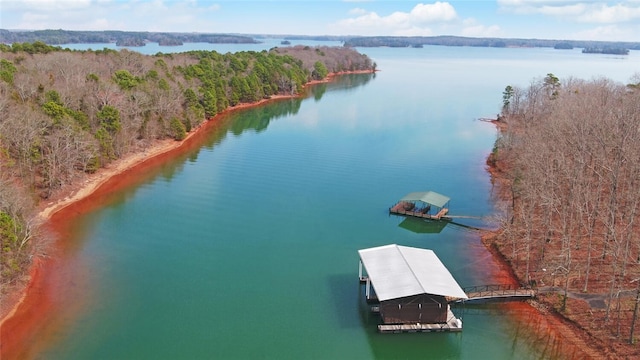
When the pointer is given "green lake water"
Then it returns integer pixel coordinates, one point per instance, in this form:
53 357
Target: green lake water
246 248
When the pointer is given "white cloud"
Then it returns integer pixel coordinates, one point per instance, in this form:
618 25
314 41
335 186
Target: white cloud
363 21
605 14
358 11
132 15
595 12
34 18
429 13
214 7
607 33
539 3
612 21
150 7
565 10
47 5
414 31
40 6
415 22
481 31
99 24
472 28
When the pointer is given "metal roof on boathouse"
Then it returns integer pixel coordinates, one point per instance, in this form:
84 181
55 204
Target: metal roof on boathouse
429 197
398 271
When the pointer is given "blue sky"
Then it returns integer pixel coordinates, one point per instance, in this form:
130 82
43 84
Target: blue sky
543 19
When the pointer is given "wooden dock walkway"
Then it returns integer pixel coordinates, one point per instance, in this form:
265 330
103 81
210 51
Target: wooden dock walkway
485 293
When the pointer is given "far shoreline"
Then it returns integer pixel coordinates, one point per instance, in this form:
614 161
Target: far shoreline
16 321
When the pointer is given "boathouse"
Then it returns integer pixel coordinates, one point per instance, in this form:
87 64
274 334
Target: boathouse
411 287
425 204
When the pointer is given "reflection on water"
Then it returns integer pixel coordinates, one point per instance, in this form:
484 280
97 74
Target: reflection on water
420 226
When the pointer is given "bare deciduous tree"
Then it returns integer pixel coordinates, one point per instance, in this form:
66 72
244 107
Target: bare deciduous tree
577 184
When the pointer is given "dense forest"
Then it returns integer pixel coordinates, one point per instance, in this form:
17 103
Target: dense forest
568 156
64 114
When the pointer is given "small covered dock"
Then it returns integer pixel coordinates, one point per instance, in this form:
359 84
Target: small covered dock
410 288
425 204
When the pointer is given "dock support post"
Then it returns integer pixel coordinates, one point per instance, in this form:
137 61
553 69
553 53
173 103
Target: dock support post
360 270
368 289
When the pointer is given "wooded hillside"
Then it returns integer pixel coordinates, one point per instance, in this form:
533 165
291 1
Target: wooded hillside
569 150
67 113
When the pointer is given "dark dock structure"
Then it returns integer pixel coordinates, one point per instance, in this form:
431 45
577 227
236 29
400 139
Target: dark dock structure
410 288
426 205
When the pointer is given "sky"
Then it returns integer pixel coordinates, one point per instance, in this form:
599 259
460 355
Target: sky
540 19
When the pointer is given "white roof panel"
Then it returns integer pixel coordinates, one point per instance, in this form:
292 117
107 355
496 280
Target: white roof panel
398 271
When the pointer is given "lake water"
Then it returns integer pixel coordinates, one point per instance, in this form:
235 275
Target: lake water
246 247
154 48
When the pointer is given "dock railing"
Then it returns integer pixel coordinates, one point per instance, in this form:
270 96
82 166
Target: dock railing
398 209
497 291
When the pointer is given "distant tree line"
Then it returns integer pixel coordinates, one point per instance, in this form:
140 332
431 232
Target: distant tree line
123 38
570 153
130 42
606 50
563 46
415 41
67 113
132 38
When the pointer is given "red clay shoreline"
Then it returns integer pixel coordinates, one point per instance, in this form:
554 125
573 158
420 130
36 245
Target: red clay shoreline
25 316
22 308
18 325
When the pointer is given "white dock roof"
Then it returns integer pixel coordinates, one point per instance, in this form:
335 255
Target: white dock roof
397 271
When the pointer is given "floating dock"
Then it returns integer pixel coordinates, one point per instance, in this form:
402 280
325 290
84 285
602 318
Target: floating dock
399 209
425 205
